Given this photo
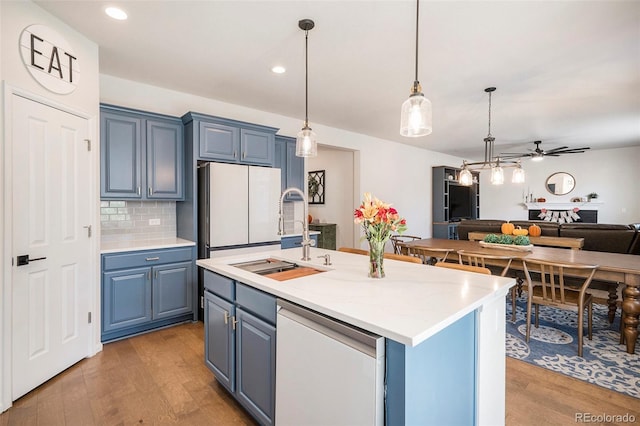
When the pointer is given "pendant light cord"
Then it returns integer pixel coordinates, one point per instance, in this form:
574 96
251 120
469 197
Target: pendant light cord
417 25
489 135
306 78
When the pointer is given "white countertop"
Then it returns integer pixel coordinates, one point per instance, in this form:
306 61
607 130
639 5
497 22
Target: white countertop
412 303
118 246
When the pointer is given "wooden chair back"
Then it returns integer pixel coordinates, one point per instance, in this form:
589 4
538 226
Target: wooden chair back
403 257
397 239
393 256
551 291
353 250
469 268
478 259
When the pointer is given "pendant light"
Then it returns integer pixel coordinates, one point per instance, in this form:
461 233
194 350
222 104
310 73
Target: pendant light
306 144
496 164
415 118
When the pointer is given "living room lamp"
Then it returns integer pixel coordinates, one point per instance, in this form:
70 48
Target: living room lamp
495 164
415 118
306 143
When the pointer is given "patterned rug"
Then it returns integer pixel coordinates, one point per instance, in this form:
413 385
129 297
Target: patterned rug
554 346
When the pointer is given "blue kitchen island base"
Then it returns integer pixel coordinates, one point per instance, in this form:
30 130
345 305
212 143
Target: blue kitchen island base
434 383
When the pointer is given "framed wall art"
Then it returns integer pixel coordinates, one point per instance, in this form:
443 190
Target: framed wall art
316 188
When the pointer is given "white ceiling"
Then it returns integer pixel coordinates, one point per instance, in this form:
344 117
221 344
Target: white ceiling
567 72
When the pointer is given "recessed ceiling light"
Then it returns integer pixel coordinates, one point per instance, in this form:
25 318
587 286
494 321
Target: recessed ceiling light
278 69
116 13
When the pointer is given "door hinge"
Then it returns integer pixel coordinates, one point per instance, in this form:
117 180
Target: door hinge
89 318
88 141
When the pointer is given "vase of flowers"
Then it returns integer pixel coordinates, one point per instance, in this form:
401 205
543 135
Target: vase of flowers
379 220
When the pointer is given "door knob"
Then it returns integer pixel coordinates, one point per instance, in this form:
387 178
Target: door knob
24 259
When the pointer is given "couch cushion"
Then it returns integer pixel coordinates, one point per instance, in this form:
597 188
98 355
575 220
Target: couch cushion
601 236
635 245
549 229
479 225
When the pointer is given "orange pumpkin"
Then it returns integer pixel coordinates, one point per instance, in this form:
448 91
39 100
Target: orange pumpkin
520 231
507 228
535 231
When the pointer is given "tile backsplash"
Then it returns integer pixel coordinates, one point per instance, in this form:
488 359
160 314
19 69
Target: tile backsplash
137 220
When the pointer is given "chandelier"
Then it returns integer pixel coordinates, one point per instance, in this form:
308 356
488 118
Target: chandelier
495 164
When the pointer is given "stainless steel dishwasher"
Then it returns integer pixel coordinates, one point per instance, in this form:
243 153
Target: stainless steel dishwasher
327 373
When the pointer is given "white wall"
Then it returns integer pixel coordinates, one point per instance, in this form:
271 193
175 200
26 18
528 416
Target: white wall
14 17
338 206
613 174
395 173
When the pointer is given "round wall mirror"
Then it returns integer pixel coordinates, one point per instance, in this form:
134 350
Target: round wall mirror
560 183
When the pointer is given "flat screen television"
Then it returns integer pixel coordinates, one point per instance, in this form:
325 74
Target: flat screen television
460 202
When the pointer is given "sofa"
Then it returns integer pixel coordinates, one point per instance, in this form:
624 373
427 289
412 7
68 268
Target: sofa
597 236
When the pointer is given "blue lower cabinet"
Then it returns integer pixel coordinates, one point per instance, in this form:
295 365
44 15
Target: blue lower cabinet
126 299
143 290
240 343
219 336
256 373
171 290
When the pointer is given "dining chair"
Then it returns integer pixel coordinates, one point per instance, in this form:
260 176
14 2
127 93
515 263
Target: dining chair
478 259
403 257
429 256
551 291
469 268
398 239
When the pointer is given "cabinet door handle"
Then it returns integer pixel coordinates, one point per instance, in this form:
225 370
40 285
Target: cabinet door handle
155 276
138 190
235 153
150 191
233 322
226 317
244 155
151 259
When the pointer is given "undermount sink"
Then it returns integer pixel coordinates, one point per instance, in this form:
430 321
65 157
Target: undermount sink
280 270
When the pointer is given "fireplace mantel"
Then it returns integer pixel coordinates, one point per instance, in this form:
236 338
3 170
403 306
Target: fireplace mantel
563 206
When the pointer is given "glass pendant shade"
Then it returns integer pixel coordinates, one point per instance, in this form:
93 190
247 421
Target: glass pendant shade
415 119
306 143
465 178
497 175
518 175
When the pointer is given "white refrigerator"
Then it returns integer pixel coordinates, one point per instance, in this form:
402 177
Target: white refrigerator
241 205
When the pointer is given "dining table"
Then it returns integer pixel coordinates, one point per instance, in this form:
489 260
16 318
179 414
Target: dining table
612 267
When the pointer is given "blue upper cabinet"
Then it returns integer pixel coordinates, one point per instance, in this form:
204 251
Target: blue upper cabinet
292 167
142 155
121 153
231 141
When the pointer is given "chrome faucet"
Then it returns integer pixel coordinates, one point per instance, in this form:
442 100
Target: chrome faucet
307 242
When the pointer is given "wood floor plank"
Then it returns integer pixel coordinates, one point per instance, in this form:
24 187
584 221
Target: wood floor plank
160 378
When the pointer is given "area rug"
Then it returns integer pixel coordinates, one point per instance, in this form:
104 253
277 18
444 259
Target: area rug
554 346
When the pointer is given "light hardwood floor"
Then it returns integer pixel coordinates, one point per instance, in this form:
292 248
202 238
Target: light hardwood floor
160 378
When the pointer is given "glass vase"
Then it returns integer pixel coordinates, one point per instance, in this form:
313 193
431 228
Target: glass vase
376 257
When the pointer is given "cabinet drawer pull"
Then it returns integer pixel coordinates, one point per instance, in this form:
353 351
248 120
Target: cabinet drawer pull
226 317
151 259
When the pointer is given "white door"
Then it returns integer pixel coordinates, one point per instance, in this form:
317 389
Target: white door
51 187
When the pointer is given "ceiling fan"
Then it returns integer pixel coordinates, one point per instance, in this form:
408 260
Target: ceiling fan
538 153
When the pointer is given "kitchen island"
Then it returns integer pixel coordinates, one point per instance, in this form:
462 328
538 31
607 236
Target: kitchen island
444 329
